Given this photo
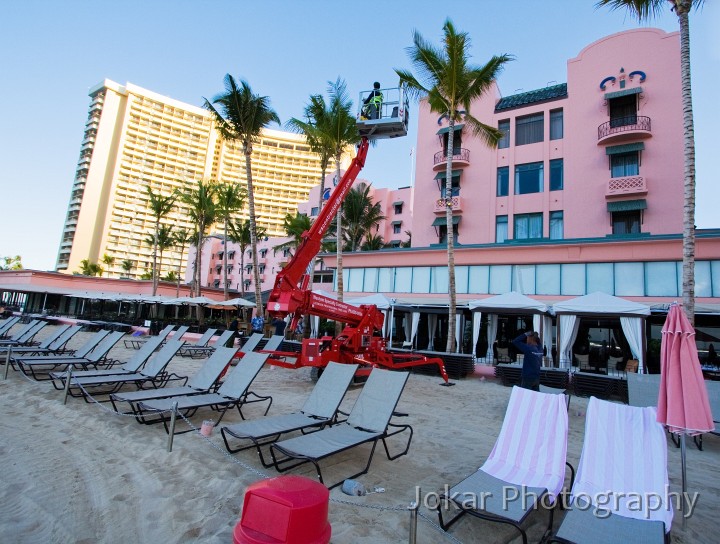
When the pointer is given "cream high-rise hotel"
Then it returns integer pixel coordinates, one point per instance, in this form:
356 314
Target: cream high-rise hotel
136 138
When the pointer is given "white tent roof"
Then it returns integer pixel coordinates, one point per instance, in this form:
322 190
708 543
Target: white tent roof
378 299
233 303
508 303
600 303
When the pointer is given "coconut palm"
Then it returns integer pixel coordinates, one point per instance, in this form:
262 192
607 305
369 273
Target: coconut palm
160 206
451 85
361 216
240 117
372 242
295 226
165 239
647 9
108 260
239 233
200 201
182 238
127 265
230 200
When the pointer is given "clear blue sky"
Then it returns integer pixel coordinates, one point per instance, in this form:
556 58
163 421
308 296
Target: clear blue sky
54 51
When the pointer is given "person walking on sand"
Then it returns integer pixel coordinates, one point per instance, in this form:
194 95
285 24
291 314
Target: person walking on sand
529 344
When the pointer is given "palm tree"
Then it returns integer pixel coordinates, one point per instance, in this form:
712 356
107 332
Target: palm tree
451 85
165 240
11 263
85 267
230 200
160 205
647 9
182 238
239 233
361 216
408 242
108 260
127 265
372 242
200 200
241 118
295 226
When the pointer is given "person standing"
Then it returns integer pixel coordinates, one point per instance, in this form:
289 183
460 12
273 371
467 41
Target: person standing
529 344
279 325
257 324
373 103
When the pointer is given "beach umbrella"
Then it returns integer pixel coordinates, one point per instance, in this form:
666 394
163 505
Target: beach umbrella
233 303
683 401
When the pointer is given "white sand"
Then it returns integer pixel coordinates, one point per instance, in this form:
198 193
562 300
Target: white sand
77 473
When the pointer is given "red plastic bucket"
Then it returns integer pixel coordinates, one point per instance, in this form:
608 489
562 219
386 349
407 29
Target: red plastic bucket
286 509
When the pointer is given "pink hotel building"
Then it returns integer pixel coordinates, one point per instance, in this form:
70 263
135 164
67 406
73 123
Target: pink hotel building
583 194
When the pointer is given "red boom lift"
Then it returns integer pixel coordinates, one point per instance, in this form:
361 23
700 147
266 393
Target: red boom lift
361 340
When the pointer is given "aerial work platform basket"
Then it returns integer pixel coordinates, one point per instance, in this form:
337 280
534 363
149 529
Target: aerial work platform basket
389 120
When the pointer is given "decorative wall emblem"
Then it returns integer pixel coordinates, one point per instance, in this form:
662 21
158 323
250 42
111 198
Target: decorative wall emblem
621 78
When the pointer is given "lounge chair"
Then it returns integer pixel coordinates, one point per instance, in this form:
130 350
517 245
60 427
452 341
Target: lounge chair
137 343
527 461
43 346
132 365
556 391
25 335
319 410
203 381
368 422
152 375
201 342
251 343
713 390
643 389
623 460
6 325
198 350
233 393
37 367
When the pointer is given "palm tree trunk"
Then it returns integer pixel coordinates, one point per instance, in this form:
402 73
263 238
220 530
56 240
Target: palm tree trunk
225 287
253 237
339 239
688 277
450 346
155 249
306 317
160 266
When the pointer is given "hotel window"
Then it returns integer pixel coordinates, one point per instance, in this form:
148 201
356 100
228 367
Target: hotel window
397 228
528 226
626 222
314 211
261 269
556 175
623 110
397 208
263 253
529 178
624 164
504 127
455 187
529 129
503 180
442 235
556 225
457 140
501 228
556 124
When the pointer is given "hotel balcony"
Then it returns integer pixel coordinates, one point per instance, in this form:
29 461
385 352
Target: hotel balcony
461 158
440 206
631 185
624 128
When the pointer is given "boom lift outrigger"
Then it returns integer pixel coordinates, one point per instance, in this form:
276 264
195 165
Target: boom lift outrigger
361 341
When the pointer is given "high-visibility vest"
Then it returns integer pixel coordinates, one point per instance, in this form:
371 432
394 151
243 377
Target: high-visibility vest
377 99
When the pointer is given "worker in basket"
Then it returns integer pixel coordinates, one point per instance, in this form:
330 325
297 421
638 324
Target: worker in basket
372 105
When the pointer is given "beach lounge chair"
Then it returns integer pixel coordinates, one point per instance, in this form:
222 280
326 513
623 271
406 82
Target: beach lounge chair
251 343
643 389
527 461
233 393
38 366
556 391
203 348
41 346
273 343
623 461
6 325
132 365
713 390
152 375
319 410
137 343
368 422
199 343
53 345
203 381
25 335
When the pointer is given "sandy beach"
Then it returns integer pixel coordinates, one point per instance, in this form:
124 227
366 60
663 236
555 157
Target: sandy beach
79 473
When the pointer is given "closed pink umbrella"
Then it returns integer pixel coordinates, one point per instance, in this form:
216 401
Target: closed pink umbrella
683 401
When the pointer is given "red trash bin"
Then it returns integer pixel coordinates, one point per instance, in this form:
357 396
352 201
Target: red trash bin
286 509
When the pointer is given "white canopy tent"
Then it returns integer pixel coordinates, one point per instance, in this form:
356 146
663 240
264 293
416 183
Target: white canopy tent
632 319
509 303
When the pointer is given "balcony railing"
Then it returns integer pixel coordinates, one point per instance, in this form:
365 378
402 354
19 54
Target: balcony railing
441 204
623 125
631 185
462 156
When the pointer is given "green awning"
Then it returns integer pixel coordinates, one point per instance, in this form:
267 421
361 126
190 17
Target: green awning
440 221
627 205
396 223
447 129
443 174
398 203
627 148
624 92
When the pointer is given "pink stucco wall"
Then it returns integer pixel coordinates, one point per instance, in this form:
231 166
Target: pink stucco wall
586 166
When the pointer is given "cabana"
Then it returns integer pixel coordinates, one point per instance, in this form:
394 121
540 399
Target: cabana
632 319
509 303
432 307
